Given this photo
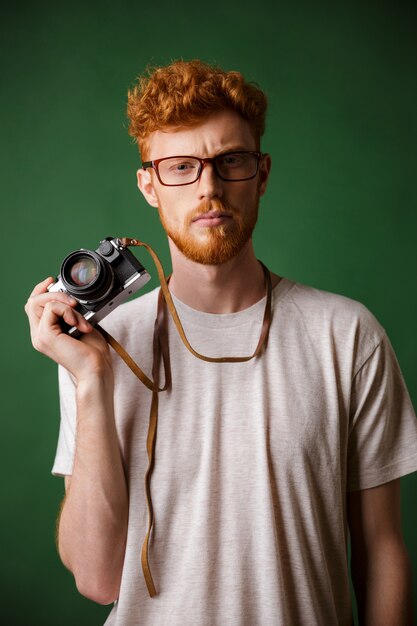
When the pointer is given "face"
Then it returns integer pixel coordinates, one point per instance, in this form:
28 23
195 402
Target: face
209 221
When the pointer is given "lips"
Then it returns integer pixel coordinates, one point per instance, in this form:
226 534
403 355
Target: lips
212 215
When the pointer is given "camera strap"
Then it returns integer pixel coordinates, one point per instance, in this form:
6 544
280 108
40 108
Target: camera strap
161 351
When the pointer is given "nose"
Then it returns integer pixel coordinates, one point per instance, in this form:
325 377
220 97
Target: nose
209 184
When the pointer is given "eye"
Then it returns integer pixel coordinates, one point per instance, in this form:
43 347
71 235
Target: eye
230 160
181 167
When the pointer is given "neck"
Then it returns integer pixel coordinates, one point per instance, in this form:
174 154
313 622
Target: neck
225 288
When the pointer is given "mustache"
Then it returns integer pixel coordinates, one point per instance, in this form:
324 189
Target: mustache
211 206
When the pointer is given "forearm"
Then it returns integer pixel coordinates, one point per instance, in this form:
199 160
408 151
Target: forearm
93 521
382 583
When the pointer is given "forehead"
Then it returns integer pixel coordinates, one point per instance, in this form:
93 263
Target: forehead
217 133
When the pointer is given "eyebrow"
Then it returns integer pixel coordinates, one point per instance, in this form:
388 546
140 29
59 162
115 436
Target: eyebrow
232 148
235 148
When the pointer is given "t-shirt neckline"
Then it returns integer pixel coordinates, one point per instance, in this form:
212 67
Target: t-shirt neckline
225 320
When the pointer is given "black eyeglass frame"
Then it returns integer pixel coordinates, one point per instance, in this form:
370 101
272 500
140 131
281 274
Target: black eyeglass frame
155 165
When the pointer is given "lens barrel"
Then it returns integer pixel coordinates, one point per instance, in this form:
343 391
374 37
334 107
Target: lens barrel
86 275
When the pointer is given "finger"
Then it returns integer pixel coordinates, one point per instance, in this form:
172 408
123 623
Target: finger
42 287
55 310
59 296
49 337
35 305
46 327
35 308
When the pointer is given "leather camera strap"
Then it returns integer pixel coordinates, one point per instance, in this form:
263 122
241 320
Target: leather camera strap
161 350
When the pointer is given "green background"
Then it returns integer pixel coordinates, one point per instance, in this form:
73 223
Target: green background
339 214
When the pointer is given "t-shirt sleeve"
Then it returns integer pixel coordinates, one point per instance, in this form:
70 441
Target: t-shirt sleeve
382 443
64 457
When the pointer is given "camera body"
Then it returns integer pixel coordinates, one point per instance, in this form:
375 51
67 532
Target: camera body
100 280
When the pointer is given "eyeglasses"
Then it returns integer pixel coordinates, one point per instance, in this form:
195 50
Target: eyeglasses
184 170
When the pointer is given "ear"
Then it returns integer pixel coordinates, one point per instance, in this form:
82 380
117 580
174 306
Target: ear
145 184
264 170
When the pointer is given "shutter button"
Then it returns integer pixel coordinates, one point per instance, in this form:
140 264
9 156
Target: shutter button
106 248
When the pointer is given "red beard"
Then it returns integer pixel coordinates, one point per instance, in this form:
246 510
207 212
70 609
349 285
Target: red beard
215 244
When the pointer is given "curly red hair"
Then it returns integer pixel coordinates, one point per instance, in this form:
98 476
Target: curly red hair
184 93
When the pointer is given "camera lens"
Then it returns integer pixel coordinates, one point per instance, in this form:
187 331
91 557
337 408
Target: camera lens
83 272
86 275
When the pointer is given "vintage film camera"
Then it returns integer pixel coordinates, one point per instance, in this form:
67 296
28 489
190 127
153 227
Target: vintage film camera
99 280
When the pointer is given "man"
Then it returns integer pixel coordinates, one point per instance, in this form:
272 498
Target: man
262 466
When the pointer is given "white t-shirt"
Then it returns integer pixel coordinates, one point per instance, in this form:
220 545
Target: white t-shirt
253 460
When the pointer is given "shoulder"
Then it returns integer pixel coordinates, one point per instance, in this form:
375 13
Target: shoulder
333 318
318 301
320 307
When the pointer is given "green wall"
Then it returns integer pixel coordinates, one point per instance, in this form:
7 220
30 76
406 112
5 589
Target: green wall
340 212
